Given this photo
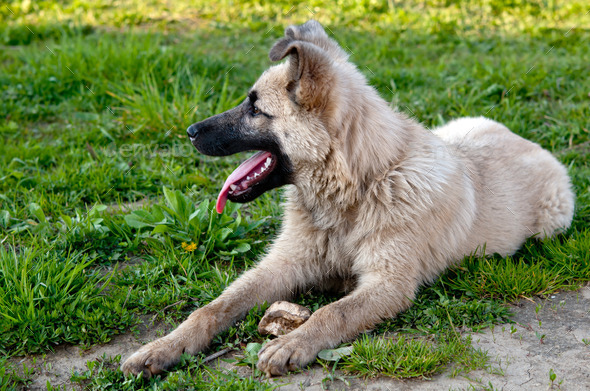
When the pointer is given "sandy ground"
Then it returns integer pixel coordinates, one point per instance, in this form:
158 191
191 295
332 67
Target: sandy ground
550 338
57 367
549 334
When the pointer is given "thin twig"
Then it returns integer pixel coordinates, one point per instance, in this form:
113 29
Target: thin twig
172 305
216 355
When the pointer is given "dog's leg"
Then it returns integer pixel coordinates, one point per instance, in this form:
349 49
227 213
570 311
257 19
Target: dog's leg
284 270
378 296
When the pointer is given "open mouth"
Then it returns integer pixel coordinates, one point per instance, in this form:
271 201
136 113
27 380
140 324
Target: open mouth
247 176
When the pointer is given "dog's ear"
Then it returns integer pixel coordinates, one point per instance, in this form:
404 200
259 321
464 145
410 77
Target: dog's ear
313 32
310 31
280 49
310 70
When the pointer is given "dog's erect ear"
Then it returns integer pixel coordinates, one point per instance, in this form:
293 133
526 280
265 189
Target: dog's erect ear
281 49
309 70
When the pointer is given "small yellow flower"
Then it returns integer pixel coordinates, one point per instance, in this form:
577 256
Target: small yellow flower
189 247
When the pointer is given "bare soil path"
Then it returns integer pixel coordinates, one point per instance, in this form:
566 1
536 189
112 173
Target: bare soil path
551 335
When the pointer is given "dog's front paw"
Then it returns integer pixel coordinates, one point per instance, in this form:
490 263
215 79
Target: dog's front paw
286 353
153 358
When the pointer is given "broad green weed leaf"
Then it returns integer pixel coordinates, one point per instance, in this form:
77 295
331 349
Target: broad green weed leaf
139 219
201 214
243 247
161 229
37 212
158 214
223 233
174 201
251 353
96 222
253 347
97 209
17 174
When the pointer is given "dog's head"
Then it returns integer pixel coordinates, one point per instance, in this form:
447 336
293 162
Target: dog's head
284 117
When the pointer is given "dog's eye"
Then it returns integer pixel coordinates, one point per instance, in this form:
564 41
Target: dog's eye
255 110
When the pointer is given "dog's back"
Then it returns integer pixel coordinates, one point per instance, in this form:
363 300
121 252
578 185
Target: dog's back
521 189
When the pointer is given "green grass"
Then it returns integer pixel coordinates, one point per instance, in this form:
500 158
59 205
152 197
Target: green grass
53 297
410 358
102 374
95 99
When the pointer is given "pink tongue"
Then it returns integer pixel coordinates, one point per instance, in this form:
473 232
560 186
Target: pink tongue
239 173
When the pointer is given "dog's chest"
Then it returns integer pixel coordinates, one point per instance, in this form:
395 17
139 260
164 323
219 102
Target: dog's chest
334 233
340 253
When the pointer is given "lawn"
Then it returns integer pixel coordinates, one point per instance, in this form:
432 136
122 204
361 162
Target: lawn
106 209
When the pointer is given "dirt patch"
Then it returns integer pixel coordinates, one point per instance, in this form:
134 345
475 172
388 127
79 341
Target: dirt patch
551 334
57 366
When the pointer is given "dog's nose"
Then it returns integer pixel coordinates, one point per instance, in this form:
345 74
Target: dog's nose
192 131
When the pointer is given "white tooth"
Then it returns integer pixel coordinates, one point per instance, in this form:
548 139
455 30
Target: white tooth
248 178
232 187
268 160
255 175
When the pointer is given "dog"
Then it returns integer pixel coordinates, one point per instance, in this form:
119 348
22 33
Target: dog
374 200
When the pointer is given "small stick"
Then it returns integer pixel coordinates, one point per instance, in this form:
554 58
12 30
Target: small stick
216 355
172 305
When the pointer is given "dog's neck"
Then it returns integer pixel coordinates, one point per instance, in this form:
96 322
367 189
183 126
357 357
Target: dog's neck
364 156
370 140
